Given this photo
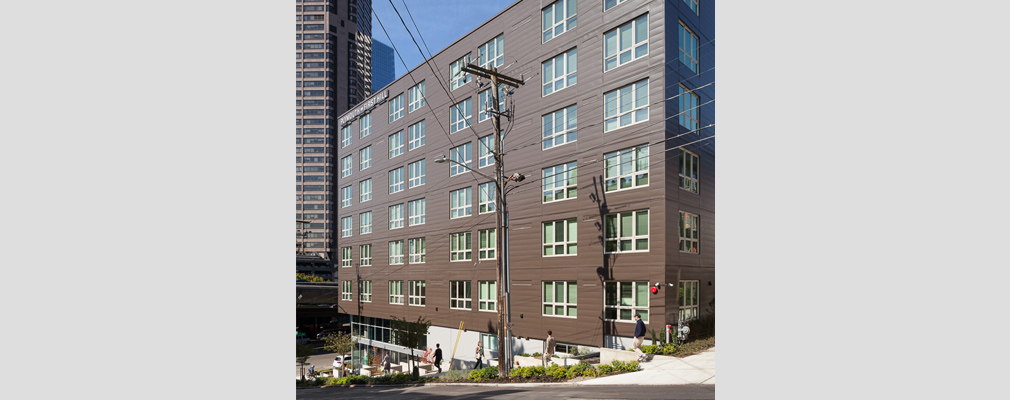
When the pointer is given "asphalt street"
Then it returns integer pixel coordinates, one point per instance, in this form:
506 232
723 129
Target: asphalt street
556 391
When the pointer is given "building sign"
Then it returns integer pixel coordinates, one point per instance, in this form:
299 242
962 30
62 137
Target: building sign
367 105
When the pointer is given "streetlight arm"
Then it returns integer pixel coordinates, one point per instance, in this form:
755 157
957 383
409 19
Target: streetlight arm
444 159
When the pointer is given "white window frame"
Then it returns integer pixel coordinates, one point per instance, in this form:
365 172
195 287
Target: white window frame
416 250
459 115
484 98
688 45
636 111
461 295
559 72
346 225
396 252
415 97
346 166
365 255
492 53
346 136
486 198
569 240
365 291
689 232
365 190
395 216
626 169
365 223
396 107
458 78
610 4
415 135
487 244
365 125
486 296
555 135
687 300
415 293
396 180
416 210
346 291
688 108
416 172
626 40
461 203
396 292
634 239
637 289
552 304
460 246
485 147
560 182
346 193
462 154
693 4
395 144
365 158
346 257
557 18
689 163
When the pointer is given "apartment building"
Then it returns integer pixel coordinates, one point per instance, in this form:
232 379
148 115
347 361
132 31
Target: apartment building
613 130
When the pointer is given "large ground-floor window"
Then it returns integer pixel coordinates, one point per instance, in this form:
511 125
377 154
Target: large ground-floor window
622 300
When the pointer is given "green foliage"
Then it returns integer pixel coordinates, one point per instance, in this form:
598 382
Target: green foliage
310 278
538 370
340 343
650 349
669 349
605 369
556 371
630 366
693 347
581 369
525 355
409 333
537 354
488 372
357 380
392 379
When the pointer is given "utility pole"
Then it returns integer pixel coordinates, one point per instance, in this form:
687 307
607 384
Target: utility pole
504 314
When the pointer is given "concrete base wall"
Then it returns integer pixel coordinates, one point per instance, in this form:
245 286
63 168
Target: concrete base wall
609 355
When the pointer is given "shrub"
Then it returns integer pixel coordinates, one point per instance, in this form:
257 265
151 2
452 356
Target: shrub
605 369
632 366
669 349
488 372
538 370
556 371
581 369
537 354
456 375
357 380
650 349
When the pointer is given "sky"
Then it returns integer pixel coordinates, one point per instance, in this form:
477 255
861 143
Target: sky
430 16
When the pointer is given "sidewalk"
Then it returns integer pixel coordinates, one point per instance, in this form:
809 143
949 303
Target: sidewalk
664 370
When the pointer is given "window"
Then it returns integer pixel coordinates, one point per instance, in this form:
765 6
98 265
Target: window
608 4
345 196
345 257
560 182
415 295
688 171
459 246
622 300
490 342
559 72
687 297
457 77
365 291
626 106
365 252
345 227
416 135
416 209
485 99
487 198
688 232
626 232
345 291
365 222
627 168
396 180
415 97
395 144
461 154
558 18
486 294
486 148
396 108
559 127
365 158
396 216
345 136
365 190
486 248
560 298
415 248
492 53
560 238
396 252
459 116
416 171
396 292
626 43
688 108
460 202
459 295
365 125
688 48
346 165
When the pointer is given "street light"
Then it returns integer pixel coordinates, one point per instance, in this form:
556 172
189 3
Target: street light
501 228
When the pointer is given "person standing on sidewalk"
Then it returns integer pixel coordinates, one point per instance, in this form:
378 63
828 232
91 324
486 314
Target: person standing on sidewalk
438 358
549 351
385 363
639 337
479 355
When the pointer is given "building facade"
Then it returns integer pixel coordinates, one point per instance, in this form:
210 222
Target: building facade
613 129
383 66
332 74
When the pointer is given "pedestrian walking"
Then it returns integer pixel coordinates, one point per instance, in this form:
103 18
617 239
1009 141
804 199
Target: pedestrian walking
438 358
639 337
479 355
549 350
385 363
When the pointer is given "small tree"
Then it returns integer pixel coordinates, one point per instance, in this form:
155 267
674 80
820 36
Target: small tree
340 343
409 334
302 354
